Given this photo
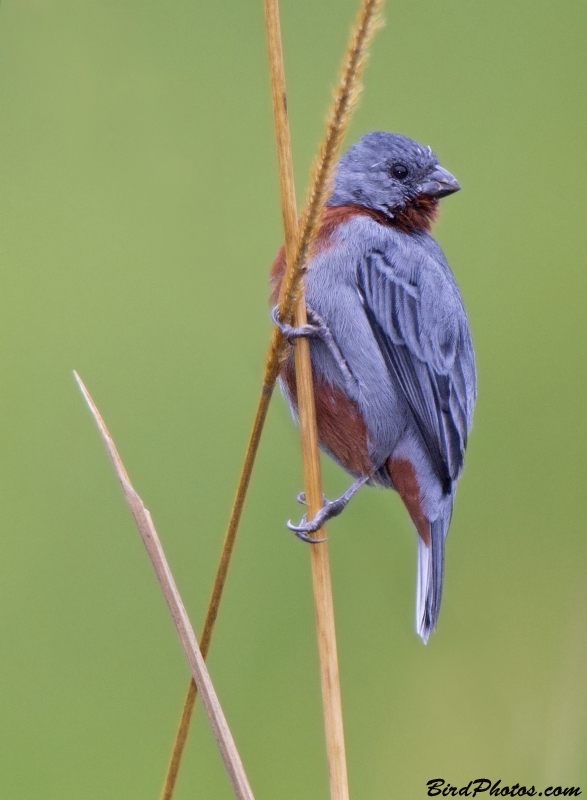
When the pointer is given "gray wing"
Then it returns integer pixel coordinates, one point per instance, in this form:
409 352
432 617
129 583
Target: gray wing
416 313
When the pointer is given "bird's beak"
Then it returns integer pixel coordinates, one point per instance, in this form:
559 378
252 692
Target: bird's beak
439 183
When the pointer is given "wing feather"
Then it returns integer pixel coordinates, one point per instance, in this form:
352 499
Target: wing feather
416 314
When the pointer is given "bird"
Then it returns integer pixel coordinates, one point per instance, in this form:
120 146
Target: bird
391 350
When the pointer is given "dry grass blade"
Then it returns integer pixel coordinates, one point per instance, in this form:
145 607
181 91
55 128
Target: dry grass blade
200 674
346 97
323 602
345 100
219 581
324 607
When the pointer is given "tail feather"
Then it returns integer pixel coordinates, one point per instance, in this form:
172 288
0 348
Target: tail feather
430 577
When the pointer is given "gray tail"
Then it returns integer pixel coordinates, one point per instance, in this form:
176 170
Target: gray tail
430 577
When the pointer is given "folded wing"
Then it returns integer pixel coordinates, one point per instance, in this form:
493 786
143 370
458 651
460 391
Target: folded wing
415 311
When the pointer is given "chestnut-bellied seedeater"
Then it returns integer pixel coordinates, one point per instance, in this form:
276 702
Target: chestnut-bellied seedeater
392 357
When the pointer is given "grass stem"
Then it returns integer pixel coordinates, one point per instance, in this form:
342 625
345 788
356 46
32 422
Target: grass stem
183 626
345 100
323 603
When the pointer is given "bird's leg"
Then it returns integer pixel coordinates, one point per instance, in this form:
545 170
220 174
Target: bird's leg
316 329
331 508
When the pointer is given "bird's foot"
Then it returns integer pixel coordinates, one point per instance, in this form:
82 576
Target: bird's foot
330 509
316 328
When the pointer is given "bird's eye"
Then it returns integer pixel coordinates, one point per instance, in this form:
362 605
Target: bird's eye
399 171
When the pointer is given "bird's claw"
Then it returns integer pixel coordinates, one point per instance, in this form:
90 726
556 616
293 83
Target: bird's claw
315 328
304 529
330 508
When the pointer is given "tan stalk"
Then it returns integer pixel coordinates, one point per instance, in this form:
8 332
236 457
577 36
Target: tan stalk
345 100
185 631
323 603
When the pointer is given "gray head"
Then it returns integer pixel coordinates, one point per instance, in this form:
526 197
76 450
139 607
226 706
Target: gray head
391 174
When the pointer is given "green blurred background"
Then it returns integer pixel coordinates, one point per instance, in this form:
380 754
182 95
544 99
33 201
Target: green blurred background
139 214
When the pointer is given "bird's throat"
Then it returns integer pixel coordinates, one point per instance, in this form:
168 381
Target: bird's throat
418 215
